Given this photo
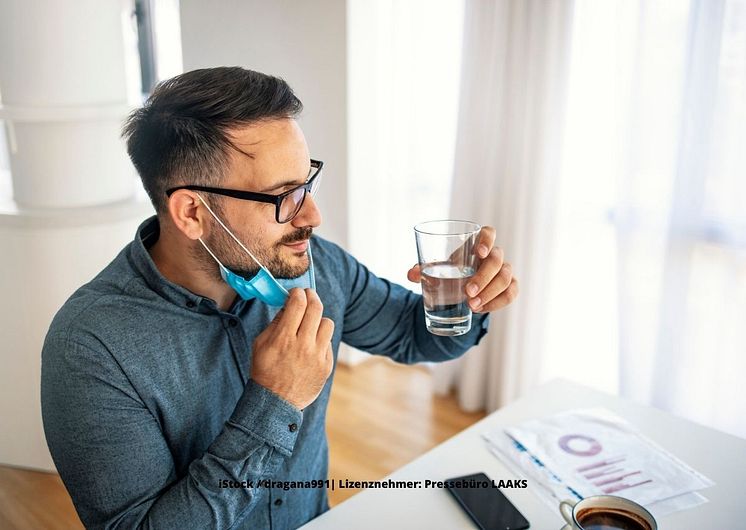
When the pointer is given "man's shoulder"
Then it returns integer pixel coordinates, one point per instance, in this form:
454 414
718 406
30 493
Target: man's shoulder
99 302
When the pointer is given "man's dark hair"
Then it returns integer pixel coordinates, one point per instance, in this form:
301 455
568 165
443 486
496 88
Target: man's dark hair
180 135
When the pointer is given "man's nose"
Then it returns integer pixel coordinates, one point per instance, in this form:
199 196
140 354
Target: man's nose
309 214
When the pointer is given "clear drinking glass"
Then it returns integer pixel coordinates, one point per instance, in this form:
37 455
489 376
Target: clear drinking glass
445 251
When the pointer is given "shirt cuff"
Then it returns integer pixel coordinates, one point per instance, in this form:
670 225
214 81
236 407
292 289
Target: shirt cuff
267 416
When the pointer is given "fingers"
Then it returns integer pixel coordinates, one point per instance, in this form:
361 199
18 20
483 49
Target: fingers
414 275
485 242
505 298
309 324
293 311
325 332
324 337
489 268
494 288
329 358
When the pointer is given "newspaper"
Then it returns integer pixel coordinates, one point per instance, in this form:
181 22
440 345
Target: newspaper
581 453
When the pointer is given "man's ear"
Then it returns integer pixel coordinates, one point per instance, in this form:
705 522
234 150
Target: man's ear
185 213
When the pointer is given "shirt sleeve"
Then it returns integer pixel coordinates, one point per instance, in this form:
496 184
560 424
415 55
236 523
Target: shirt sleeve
382 317
115 463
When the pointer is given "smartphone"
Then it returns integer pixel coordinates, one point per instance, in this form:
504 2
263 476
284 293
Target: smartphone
487 506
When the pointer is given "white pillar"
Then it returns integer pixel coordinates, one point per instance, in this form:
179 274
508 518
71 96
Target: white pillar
68 76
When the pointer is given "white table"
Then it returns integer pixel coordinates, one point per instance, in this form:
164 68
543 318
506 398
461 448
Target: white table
719 456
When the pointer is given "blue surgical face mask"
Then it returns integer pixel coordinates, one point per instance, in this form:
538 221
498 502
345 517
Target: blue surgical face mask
262 286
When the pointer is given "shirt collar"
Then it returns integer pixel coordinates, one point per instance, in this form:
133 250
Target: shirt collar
147 234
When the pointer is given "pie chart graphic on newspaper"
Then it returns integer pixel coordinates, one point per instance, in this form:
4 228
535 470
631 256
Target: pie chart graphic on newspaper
579 445
609 474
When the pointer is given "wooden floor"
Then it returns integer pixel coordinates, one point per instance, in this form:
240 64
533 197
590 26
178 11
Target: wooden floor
381 415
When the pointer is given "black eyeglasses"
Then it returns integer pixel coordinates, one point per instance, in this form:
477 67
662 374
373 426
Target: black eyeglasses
287 204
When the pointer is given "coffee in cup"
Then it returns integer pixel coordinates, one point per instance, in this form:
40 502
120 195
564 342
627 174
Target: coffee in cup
606 512
608 519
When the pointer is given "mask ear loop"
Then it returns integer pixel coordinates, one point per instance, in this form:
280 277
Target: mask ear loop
310 267
211 254
229 233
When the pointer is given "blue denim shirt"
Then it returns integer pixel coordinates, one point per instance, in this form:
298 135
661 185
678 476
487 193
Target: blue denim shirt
148 403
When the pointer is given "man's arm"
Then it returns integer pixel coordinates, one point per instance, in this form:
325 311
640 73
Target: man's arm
116 464
382 317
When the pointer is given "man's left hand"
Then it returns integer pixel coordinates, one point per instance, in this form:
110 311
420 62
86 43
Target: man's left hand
493 286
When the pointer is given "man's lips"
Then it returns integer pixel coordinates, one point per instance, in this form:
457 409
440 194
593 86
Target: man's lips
298 246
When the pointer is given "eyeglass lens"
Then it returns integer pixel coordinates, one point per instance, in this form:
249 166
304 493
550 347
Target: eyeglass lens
292 203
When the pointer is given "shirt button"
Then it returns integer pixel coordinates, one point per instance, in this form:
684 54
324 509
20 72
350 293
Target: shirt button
278 502
293 427
233 322
190 304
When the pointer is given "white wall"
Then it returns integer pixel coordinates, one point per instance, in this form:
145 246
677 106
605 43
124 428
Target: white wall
305 44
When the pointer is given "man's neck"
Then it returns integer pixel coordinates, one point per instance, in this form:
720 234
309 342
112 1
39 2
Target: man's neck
177 264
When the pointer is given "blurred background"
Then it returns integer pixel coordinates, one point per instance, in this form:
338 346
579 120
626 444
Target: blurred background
605 140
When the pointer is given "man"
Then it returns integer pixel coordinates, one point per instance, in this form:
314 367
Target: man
161 387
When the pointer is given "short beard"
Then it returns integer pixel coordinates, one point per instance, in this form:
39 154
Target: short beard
235 258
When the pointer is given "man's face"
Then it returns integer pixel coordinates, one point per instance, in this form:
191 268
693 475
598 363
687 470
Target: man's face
279 161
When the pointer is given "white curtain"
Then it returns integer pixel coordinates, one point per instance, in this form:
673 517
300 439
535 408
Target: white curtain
631 246
403 61
681 217
514 74
647 293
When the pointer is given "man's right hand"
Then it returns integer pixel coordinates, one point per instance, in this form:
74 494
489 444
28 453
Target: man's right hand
293 357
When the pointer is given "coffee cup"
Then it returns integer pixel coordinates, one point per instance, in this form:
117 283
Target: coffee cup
606 512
